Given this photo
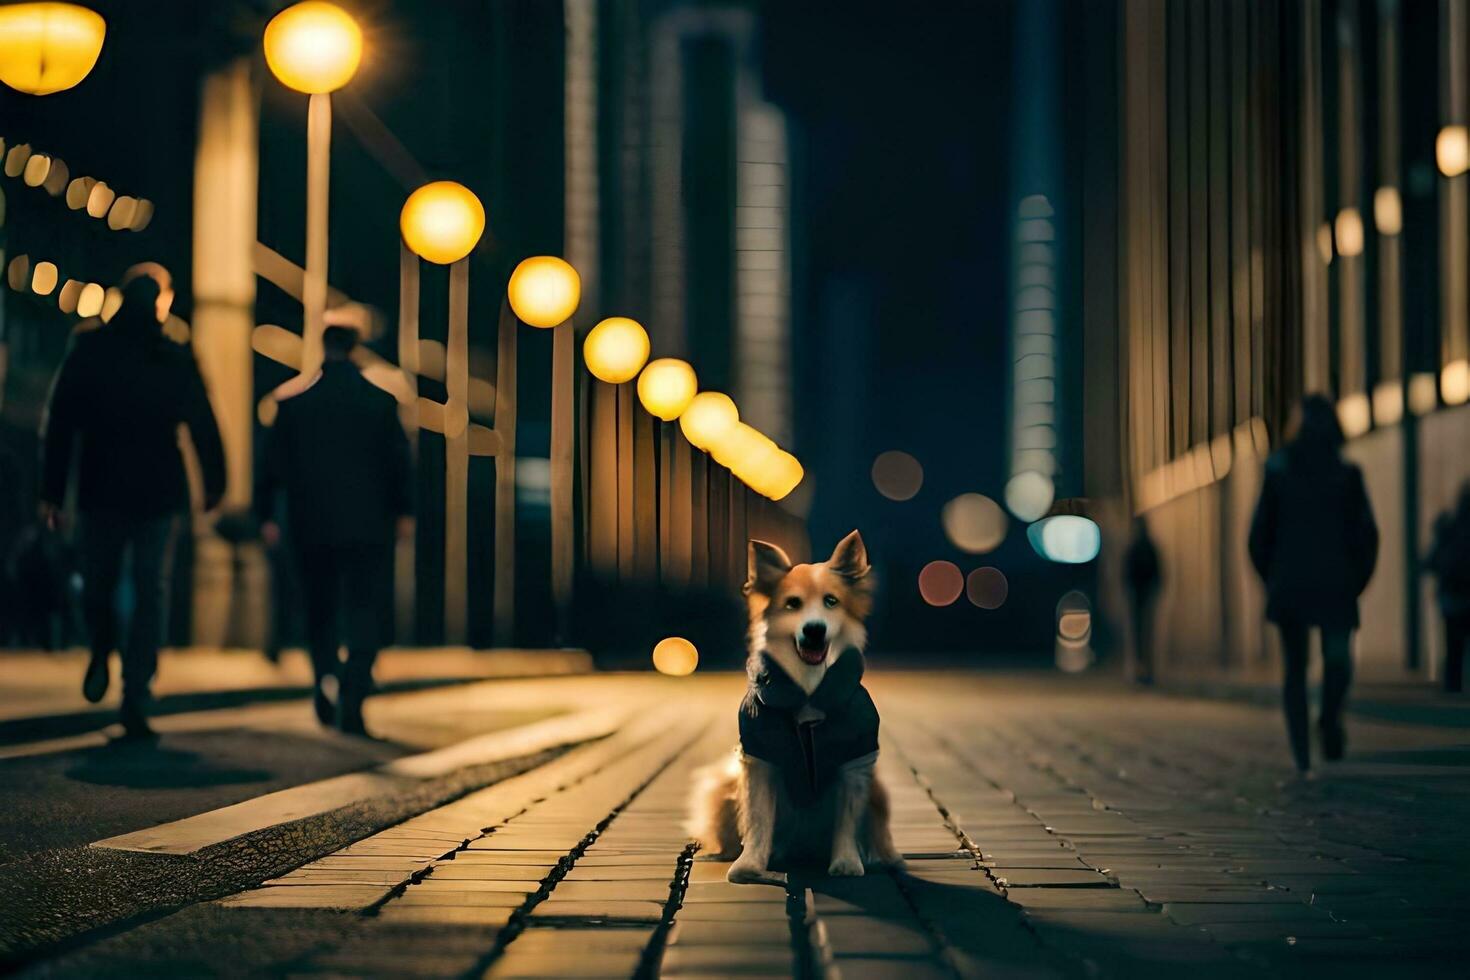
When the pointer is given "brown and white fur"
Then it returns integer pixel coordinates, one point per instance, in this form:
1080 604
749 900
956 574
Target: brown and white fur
805 617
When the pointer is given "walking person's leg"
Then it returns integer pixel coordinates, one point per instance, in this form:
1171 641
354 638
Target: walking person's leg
1456 634
103 540
1294 692
320 588
1337 674
369 604
152 546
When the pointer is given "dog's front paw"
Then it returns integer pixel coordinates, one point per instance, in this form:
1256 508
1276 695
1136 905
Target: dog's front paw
845 866
750 873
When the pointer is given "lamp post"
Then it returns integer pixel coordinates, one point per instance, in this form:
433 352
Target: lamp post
543 292
314 47
441 223
48 47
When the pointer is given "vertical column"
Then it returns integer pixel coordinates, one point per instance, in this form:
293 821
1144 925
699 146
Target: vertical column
602 494
408 365
762 263
1315 347
1454 221
314 287
505 478
225 178
457 457
1348 231
1388 394
562 367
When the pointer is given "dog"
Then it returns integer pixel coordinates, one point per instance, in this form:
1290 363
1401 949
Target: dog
801 788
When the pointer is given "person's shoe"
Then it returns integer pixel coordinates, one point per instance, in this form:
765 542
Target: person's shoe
135 723
1334 742
94 684
326 712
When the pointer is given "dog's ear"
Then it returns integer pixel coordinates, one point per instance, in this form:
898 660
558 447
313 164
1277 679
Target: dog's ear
768 565
850 558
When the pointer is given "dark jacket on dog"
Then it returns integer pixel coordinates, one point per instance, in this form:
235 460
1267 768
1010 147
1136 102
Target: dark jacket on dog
809 755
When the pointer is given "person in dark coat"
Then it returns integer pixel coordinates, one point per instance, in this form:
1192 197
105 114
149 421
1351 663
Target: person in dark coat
1449 560
1142 575
340 454
120 398
1314 542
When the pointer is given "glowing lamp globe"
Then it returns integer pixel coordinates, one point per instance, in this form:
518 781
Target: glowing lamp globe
442 221
783 475
544 291
675 656
756 468
709 416
48 47
666 387
616 350
739 443
313 47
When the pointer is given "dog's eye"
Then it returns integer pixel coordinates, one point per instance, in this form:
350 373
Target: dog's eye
792 602
830 601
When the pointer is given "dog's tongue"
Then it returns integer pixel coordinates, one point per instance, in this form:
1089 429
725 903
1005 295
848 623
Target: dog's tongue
811 655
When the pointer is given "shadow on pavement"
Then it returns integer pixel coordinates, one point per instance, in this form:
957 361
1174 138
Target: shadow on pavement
141 764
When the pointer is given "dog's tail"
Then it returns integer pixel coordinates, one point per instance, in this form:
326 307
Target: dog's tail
714 818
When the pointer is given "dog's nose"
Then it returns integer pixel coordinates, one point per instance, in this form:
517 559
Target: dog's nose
814 632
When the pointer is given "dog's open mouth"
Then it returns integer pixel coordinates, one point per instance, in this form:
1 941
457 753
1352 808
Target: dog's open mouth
811 654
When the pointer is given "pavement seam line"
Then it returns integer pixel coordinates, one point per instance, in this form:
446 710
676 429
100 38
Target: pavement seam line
518 920
653 952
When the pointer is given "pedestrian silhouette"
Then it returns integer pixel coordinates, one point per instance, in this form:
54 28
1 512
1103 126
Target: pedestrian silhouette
1449 560
340 454
1142 576
120 397
1314 542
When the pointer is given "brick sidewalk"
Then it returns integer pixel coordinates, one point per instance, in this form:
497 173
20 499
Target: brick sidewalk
1050 830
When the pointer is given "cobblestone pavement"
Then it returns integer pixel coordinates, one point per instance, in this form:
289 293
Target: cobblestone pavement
1051 829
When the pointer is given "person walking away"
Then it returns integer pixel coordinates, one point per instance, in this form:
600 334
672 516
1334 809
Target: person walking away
1449 560
122 393
341 456
1142 576
1314 542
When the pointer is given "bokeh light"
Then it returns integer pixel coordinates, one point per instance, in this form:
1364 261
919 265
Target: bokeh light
99 199
974 523
66 300
48 47
313 47
112 299
89 300
987 587
15 159
18 272
43 279
1452 150
1029 495
442 222
120 215
675 656
38 168
544 291
1454 382
666 387
709 417
1066 538
616 350
897 475
940 583
1074 632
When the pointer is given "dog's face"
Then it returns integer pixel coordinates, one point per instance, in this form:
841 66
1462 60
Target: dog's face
806 615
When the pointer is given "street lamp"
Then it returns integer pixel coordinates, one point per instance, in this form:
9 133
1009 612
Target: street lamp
441 223
708 418
666 387
544 292
48 47
616 350
314 48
